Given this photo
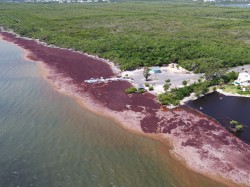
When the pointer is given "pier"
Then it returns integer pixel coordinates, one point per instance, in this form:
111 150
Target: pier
102 80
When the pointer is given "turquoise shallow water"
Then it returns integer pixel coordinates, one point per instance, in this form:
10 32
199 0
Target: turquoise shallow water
47 139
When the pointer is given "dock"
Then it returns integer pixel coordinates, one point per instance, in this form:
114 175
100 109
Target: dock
102 80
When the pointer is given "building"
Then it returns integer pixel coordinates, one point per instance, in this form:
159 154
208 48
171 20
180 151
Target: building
154 70
243 79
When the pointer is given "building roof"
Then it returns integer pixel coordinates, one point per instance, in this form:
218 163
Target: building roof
245 84
155 70
243 77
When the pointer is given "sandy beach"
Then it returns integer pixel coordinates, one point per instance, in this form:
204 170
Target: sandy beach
200 142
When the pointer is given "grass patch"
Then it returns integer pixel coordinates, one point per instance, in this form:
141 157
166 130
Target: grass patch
230 88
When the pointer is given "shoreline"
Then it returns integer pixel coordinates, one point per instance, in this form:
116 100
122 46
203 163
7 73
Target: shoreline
112 65
126 126
97 107
231 94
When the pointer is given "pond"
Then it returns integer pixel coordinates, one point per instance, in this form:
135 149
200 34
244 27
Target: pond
224 108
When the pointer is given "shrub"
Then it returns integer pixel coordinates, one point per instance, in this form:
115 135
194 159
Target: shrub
221 81
142 90
184 83
239 127
131 90
164 99
204 90
167 81
147 84
231 76
166 86
175 102
213 82
151 88
167 99
198 94
225 79
234 123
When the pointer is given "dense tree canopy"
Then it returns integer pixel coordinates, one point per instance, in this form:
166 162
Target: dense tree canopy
195 35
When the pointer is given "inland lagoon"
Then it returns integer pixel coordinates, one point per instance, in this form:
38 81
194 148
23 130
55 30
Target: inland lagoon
47 139
224 109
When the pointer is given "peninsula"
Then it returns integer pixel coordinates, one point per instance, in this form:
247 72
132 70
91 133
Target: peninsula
201 142
196 139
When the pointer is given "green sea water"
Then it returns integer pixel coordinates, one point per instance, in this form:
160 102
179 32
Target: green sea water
48 140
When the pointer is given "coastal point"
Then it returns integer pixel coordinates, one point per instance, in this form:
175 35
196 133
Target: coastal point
197 139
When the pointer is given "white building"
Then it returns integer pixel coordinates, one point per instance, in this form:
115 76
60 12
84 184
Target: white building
243 79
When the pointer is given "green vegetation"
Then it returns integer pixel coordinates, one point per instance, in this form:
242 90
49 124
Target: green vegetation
151 88
147 84
184 83
195 35
142 90
132 89
168 99
146 73
166 86
214 88
237 127
247 92
177 94
231 88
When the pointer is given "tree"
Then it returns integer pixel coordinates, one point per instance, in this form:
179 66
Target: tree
184 83
232 75
221 81
146 73
213 69
214 88
166 86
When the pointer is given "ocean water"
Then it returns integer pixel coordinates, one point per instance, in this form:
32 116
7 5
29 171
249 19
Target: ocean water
48 140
